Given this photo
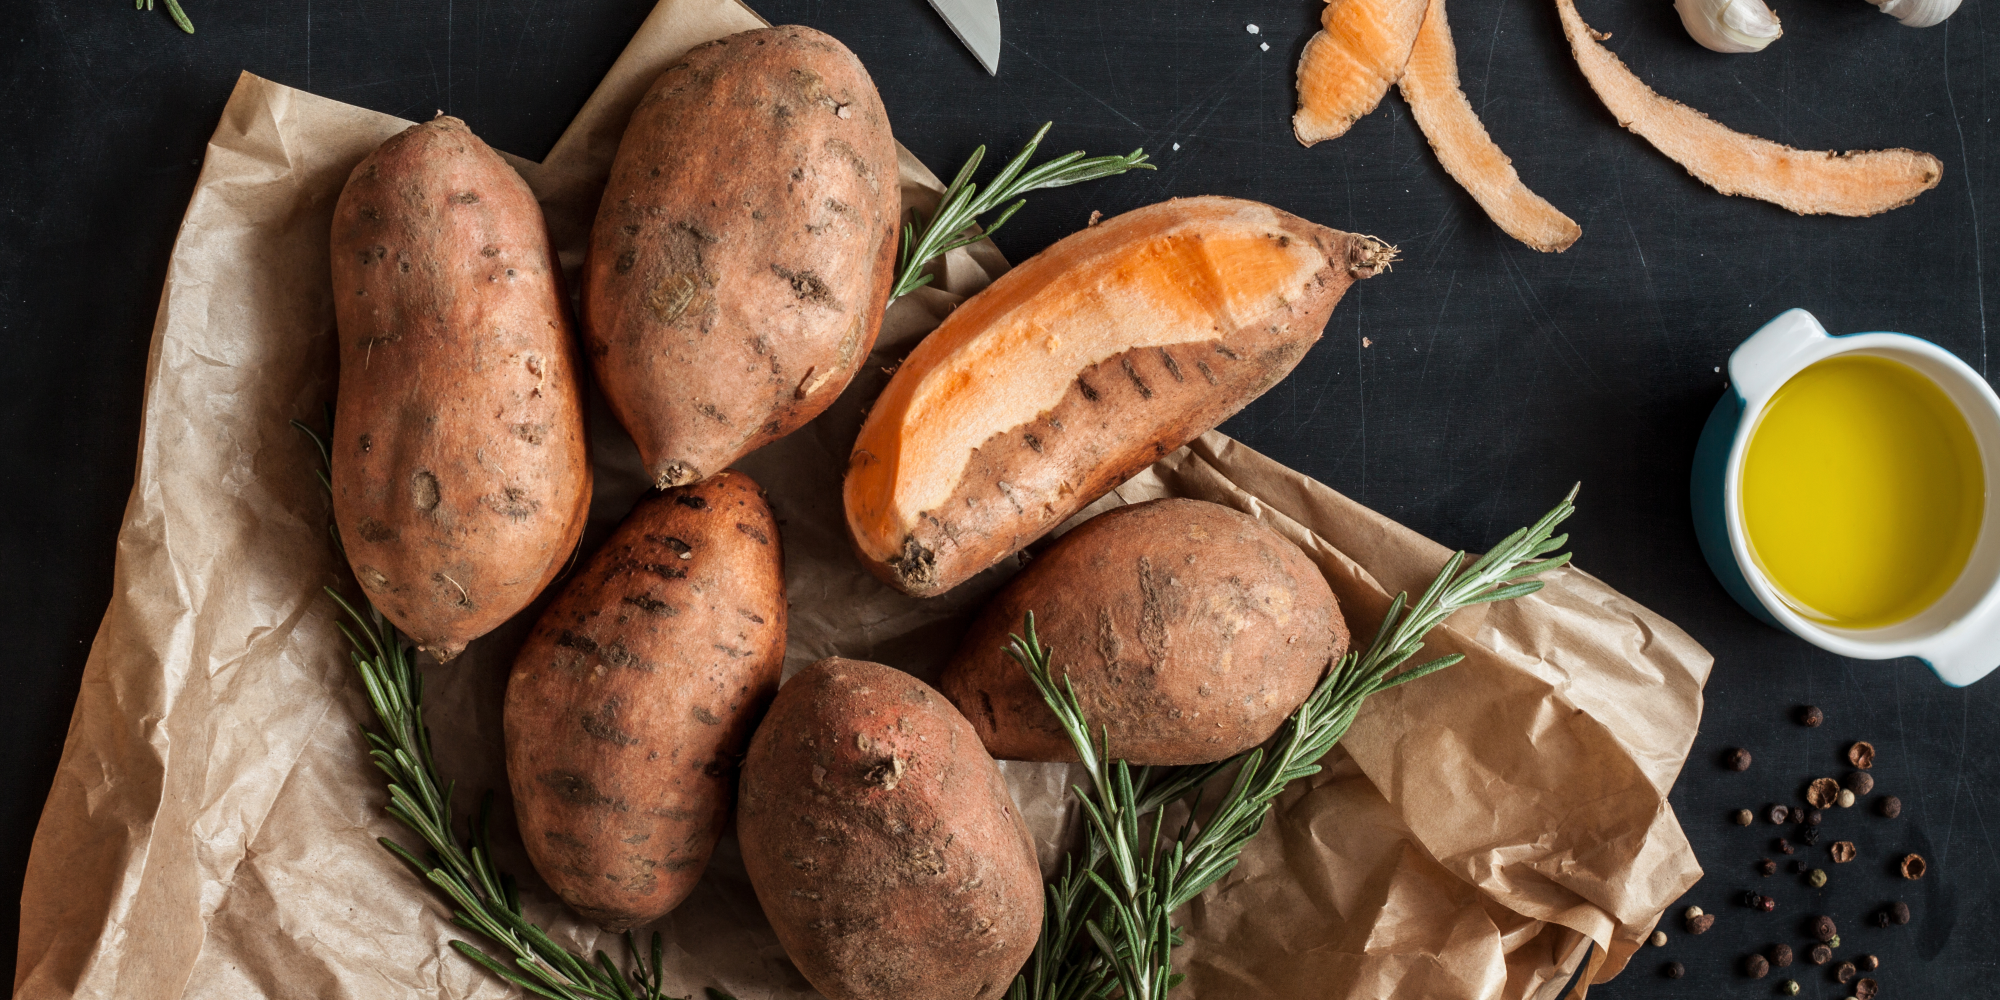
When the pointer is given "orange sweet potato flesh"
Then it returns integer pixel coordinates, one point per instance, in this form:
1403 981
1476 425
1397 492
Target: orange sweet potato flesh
636 694
1430 84
882 843
1350 62
744 248
1189 631
461 477
1080 367
1857 183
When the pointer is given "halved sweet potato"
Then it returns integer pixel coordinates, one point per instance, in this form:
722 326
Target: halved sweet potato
744 249
1188 630
1075 370
461 477
636 694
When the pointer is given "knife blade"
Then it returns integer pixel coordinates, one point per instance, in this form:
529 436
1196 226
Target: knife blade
977 24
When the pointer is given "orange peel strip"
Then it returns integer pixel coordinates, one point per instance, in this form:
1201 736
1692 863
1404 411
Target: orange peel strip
1809 182
1430 84
1350 62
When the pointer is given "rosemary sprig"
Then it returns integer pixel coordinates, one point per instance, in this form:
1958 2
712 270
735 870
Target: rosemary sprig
483 897
173 9
1123 893
963 203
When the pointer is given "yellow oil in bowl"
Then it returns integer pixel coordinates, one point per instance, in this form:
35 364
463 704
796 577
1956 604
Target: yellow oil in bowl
1863 492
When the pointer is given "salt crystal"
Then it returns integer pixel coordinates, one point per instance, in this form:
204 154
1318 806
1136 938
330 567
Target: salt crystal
1251 28
1365 342
1177 146
1266 46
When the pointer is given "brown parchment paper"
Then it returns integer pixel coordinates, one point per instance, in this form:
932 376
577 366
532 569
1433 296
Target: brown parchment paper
210 831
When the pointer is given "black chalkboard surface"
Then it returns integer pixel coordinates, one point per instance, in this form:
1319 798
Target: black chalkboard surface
1461 394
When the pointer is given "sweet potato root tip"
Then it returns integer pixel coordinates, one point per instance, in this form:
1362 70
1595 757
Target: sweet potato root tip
1350 62
1076 369
1809 182
1430 83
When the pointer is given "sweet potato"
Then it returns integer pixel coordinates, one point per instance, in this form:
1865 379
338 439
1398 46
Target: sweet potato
461 476
636 694
744 249
882 843
1350 62
1189 631
1078 368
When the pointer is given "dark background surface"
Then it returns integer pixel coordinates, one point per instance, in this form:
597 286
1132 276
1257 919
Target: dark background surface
1492 376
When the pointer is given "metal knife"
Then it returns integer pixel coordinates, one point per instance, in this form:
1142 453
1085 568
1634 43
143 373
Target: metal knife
977 24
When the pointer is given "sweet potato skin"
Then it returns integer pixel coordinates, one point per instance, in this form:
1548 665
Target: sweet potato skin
636 694
1227 295
1189 631
744 249
882 842
461 475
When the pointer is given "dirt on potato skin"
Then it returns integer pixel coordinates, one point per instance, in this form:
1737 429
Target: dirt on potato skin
636 694
744 249
461 476
882 842
1189 630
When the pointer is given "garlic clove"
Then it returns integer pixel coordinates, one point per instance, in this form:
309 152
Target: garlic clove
1917 13
1738 25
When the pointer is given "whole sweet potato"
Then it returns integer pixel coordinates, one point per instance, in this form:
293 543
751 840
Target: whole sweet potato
636 694
1080 367
461 477
744 249
1188 630
882 843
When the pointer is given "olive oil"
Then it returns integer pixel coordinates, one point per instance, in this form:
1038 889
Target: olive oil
1863 492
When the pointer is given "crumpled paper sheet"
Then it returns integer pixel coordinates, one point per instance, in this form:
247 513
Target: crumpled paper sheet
210 831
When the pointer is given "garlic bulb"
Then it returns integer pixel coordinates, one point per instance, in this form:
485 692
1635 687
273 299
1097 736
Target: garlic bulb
1917 13
1739 25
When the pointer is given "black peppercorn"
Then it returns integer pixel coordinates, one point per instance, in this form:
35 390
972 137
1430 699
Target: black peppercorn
1892 806
1739 759
1820 954
1750 899
1810 716
1767 867
1781 955
1675 970
1845 972
1779 814
1782 846
1860 783
1756 967
1809 835
1899 911
1870 963
1865 989
1813 817
1822 927
1882 919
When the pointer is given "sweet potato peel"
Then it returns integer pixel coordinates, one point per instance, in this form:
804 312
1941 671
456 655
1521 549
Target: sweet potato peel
1430 84
1360 49
1857 183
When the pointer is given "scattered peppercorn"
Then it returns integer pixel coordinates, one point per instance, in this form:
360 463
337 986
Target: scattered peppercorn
1739 759
1892 806
1809 835
1810 817
1782 846
1781 955
1822 792
1845 972
1701 924
1913 866
1751 899
1823 928
1789 987
1846 798
1756 967
1864 990
1860 782
1767 903
1691 913
1675 970
1810 716
1869 963
1767 867
1659 939
1820 954
1817 877
1742 817
1842 851
1899 911
1800 867
1779 814
1835 943
1861 755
